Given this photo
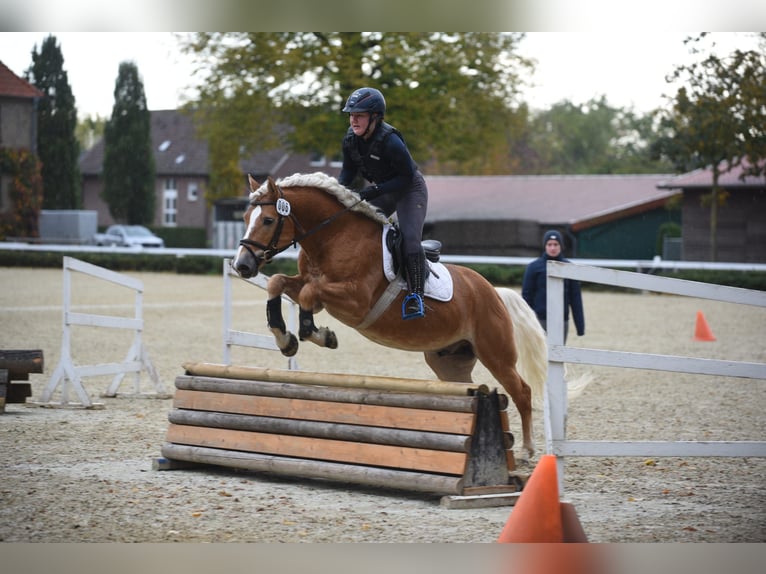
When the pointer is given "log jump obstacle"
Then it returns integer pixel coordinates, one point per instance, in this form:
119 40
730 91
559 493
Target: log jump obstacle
67 374
426 436
233 337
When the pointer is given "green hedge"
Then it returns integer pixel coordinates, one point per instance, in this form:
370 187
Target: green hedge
182 237
189 264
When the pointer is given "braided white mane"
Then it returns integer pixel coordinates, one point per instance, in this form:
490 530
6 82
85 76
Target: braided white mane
330 185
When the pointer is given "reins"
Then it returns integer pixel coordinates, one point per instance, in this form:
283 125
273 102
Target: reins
284 210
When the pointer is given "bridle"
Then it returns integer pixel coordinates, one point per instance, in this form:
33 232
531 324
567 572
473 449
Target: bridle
284 210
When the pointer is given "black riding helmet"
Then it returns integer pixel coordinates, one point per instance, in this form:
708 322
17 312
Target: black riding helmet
366 100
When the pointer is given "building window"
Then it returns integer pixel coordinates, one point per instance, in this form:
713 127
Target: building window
170 184
169 207
192 192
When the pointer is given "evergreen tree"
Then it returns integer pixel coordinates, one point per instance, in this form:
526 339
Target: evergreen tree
57 145
129 171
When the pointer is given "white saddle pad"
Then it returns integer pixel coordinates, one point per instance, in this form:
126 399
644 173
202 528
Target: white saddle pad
438 284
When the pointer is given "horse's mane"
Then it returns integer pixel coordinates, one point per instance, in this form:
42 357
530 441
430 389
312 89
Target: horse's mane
329 185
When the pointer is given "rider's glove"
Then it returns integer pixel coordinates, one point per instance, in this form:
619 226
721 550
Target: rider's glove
370 192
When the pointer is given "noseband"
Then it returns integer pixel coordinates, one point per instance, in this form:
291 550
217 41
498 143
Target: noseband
284 210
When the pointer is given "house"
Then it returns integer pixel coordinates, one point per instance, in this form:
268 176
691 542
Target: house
182 173
600 216
741 229
18 124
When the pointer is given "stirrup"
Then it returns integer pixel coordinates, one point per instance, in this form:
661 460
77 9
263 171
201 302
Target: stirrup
419 312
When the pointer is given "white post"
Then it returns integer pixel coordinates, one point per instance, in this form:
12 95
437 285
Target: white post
255 340
555 405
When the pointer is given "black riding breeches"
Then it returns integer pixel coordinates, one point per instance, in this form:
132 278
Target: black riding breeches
410 206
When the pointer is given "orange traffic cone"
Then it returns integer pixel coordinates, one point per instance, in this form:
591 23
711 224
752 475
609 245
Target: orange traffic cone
538 516
702 331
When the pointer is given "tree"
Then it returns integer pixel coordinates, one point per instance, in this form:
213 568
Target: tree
129 170
453 95
592 138
90 130
717 120
57 145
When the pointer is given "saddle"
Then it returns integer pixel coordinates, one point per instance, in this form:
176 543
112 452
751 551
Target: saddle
431 248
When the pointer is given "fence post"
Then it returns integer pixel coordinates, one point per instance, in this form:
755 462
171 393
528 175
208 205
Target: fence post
245 339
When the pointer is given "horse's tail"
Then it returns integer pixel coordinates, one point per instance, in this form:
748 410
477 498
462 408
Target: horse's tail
531 345
532 349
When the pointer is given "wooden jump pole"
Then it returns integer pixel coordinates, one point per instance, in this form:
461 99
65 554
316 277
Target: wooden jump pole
333 379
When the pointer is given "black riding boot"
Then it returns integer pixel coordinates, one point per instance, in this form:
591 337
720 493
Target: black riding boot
412 307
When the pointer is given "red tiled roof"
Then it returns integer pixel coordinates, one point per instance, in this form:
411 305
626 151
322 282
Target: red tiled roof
555 199
703 178
13 86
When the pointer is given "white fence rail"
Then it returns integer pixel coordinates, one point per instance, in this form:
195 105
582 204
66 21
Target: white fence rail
556 395
232 337
68 374
642 265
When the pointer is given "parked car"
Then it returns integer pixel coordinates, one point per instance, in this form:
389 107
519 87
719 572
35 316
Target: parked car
128 236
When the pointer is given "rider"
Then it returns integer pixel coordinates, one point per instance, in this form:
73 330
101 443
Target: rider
377 150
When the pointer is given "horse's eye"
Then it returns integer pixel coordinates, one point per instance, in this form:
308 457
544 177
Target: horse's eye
268 220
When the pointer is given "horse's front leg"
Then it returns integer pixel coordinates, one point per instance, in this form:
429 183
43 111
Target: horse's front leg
308 331
282 284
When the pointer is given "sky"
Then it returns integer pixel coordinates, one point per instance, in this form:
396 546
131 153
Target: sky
628 68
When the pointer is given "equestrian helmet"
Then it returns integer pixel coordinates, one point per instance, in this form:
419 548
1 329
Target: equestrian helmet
366 100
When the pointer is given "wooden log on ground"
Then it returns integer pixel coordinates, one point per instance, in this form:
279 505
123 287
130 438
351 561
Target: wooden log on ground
18 392
332 379
418 459
368 476
3 388
20 363
345 432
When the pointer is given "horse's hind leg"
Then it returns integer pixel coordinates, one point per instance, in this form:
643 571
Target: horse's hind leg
455 363
502 364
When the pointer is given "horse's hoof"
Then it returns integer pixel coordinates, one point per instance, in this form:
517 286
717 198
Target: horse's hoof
291 348
331 340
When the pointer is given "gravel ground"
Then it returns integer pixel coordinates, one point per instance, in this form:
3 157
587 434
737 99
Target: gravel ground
74 475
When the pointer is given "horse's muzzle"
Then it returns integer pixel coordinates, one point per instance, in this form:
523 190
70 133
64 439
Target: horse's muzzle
246 263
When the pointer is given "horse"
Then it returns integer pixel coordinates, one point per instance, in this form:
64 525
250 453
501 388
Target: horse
340 271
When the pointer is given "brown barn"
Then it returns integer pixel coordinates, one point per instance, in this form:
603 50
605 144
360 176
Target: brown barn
741 229
600 216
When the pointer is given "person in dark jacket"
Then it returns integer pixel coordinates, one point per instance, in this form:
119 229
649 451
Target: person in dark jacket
376 150
534 286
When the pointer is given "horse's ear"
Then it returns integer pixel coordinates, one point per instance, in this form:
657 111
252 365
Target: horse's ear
254 185
272 185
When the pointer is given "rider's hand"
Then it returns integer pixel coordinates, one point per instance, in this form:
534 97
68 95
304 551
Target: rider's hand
370 192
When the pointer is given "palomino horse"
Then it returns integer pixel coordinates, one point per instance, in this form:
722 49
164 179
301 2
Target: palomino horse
340 269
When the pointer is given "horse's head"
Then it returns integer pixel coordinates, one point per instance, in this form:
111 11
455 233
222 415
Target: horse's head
273 224
265 233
